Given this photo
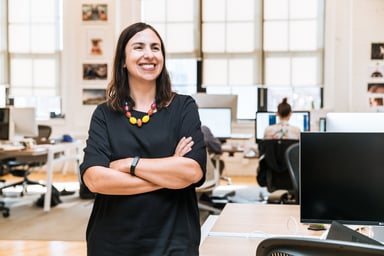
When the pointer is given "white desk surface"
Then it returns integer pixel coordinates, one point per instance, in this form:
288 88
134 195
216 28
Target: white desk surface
263 219
9 147
240 227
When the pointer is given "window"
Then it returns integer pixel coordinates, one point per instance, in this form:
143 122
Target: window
176 23
245 45
293 52
34 47
3 45
231 46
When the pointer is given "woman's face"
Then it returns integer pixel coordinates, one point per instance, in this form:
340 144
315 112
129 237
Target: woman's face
144 58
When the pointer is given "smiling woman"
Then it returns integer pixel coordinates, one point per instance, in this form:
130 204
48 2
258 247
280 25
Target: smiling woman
146 152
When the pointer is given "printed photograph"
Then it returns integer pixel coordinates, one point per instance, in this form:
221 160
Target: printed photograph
376 70
96 43
93 96
95 12
95 71
377 51
375 102
376 87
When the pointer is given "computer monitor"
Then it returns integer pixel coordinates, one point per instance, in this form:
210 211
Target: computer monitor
204 100
354 122
24 121
218 120
5 122
300 119
341 178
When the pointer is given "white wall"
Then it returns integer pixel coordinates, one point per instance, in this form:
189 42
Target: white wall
120 14
351 26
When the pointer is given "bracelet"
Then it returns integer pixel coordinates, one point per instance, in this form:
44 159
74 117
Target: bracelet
133 165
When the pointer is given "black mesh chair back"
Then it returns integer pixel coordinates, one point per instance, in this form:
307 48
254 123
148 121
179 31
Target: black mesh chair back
295 246
273 165
293 164
44 134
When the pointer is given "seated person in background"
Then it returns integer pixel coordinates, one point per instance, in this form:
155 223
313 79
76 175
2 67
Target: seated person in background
282 129
213 145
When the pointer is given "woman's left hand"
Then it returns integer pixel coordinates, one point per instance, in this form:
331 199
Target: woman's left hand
184 146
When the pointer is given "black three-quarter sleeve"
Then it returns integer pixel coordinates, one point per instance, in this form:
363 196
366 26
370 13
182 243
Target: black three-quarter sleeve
191 126
97 150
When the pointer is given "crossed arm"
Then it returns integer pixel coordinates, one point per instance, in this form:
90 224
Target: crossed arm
151 174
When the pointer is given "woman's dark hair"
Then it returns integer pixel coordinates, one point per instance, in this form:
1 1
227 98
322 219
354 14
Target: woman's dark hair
118 90
284 109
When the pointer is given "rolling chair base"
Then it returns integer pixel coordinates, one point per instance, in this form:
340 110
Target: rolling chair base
23 183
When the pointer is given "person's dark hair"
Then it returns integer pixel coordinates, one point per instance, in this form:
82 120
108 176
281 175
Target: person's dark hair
118 90
284 109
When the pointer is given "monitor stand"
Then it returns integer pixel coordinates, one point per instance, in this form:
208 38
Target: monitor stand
340 232
378 233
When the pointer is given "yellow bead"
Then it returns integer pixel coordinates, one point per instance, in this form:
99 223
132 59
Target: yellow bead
145 119
133 120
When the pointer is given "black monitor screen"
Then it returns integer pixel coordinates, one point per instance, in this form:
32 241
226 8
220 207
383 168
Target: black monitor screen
218 120
300 119
341 178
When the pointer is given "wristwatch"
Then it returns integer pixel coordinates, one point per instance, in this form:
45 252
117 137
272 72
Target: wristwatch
133 165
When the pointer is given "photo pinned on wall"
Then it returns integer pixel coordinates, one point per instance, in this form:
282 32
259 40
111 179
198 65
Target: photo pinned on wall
94 96
95 43
94 12
376 70
376 102
95 71
377 51
376 87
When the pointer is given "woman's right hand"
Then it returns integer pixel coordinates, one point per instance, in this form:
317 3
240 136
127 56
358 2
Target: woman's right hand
184 146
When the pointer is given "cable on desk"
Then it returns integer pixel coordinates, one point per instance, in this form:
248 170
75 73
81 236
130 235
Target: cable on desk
292 225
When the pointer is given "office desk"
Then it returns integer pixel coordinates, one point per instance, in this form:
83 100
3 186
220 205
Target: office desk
232 149
56 153
241 136
240 228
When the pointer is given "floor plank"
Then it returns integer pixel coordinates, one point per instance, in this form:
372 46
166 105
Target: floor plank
42 248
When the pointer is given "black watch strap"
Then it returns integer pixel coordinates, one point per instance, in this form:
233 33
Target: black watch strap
133 165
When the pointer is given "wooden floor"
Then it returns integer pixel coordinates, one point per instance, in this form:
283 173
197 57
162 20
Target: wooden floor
63 248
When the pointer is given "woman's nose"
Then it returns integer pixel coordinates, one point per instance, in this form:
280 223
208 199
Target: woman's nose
148 53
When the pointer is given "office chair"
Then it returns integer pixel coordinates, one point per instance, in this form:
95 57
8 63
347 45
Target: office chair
296 246
20 169
204 192
293 164
3 208
273 171
44 132
23 168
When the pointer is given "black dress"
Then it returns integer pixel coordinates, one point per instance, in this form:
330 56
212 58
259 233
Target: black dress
163 222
